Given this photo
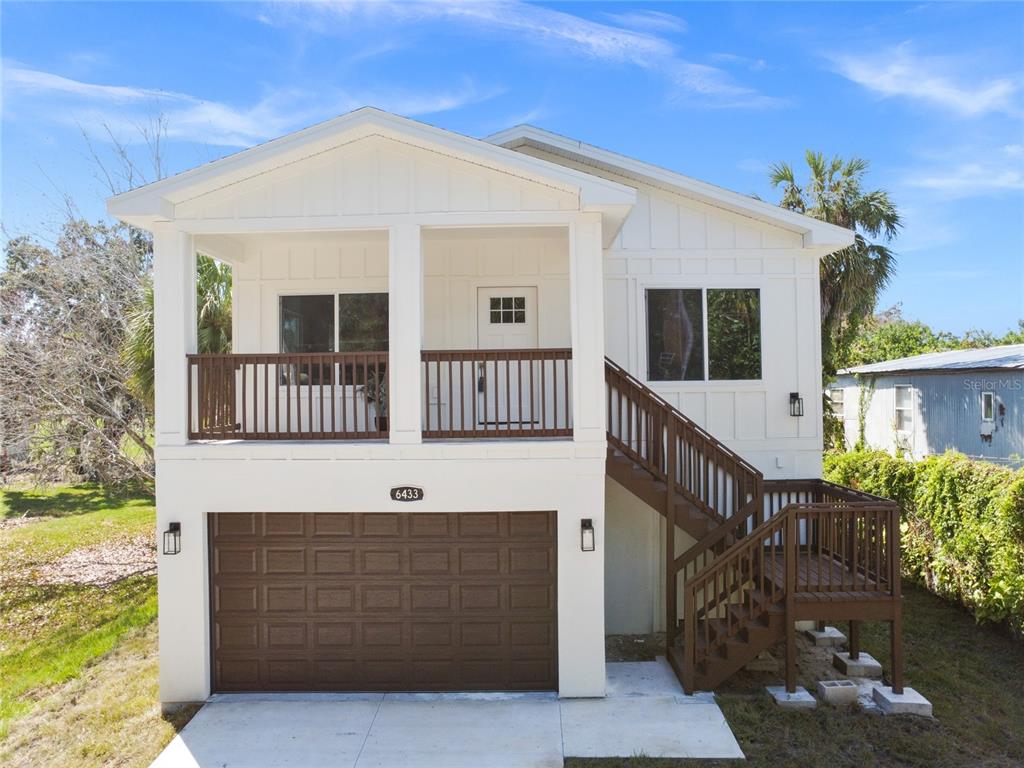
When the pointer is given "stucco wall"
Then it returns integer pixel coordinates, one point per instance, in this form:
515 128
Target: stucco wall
195 480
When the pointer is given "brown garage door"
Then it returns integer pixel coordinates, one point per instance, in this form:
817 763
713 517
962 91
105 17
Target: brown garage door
372 602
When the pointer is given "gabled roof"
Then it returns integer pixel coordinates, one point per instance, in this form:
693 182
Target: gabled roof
815 233
156 201
1009 357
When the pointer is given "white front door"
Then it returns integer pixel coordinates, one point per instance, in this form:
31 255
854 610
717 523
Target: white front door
506 319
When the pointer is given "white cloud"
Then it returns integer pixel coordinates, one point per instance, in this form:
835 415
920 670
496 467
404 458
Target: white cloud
968 179
95 107
567 33
655 21
900 71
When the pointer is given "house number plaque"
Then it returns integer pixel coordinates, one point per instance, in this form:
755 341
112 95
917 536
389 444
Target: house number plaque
407 493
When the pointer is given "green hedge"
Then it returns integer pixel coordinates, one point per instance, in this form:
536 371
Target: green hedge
962 528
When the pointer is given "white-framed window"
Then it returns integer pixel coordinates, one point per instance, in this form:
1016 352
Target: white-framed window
988 406
837 398
328 322
904 408
703 334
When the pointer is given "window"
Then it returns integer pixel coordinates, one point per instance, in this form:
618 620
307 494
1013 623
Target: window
904 409
308 325
362 322
988 406
508 309
836 397
696 334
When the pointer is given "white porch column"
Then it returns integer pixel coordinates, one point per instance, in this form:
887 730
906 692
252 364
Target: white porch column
586 290
405 333
174 314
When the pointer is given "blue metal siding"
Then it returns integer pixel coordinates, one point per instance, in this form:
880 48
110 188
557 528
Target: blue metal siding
949 409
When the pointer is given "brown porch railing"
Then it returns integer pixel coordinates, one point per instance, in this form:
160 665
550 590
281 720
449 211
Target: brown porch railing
494 393
309 396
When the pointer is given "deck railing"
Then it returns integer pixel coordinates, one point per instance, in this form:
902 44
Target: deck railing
310 396
497 393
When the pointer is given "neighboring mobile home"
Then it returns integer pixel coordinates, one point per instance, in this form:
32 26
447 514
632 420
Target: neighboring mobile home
969 400
471 381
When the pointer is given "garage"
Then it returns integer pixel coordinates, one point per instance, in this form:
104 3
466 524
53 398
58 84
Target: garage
383 602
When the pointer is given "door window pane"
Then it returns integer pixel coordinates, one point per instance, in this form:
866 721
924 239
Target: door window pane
307 324
675 335
734 334
508 310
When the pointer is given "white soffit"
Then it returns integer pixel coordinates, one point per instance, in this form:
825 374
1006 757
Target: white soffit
817 234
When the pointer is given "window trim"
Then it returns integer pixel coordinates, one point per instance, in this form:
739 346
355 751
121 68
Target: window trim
703 287
896 408
841 416
991 397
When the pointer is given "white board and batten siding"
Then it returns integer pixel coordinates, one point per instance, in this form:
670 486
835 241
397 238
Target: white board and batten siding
669 241
373 176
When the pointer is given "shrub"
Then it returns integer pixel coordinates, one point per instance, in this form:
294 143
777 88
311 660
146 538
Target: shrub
962 528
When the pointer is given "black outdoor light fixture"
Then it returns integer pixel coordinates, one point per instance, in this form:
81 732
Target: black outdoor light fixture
172 539
796 404
587 534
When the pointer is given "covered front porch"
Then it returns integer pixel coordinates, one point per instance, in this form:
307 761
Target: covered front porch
402 335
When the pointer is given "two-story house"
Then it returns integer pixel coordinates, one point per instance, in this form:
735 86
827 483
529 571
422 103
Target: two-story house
489 400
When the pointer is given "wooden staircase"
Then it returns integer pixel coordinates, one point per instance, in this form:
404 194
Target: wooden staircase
767 553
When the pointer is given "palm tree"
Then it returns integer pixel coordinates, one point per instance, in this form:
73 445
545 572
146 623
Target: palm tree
213 316
853 278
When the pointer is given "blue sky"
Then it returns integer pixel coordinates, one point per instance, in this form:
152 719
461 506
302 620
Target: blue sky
931 94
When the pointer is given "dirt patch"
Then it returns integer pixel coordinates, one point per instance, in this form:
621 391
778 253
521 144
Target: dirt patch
102 564
634 647
18 522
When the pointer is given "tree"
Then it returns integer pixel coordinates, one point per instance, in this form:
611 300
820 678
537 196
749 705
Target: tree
852 278
889 336
66 398
213 315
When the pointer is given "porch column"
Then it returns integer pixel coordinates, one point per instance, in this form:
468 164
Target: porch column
586 290
174 316
405 333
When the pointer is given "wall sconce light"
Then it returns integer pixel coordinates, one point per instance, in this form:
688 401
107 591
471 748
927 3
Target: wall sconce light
587 534
796 404
172 539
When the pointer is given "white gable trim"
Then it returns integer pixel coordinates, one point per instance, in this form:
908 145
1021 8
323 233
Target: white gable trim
156 201
815 233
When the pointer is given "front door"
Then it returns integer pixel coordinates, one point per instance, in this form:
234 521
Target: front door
506 320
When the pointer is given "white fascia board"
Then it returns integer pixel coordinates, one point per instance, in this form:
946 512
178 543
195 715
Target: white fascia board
814 232
156 201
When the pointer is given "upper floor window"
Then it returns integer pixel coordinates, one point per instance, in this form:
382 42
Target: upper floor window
837 398
346 322
703 334
988 406
904 408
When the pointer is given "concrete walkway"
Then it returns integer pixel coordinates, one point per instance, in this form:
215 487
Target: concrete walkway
645 712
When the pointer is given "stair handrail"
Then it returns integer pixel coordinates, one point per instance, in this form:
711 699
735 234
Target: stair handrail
782 530
690 423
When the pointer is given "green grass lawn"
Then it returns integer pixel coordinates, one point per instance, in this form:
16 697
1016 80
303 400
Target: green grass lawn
49 633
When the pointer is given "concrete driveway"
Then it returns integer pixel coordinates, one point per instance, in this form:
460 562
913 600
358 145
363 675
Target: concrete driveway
645 712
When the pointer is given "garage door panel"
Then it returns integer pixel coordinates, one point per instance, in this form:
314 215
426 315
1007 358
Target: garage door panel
338 602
